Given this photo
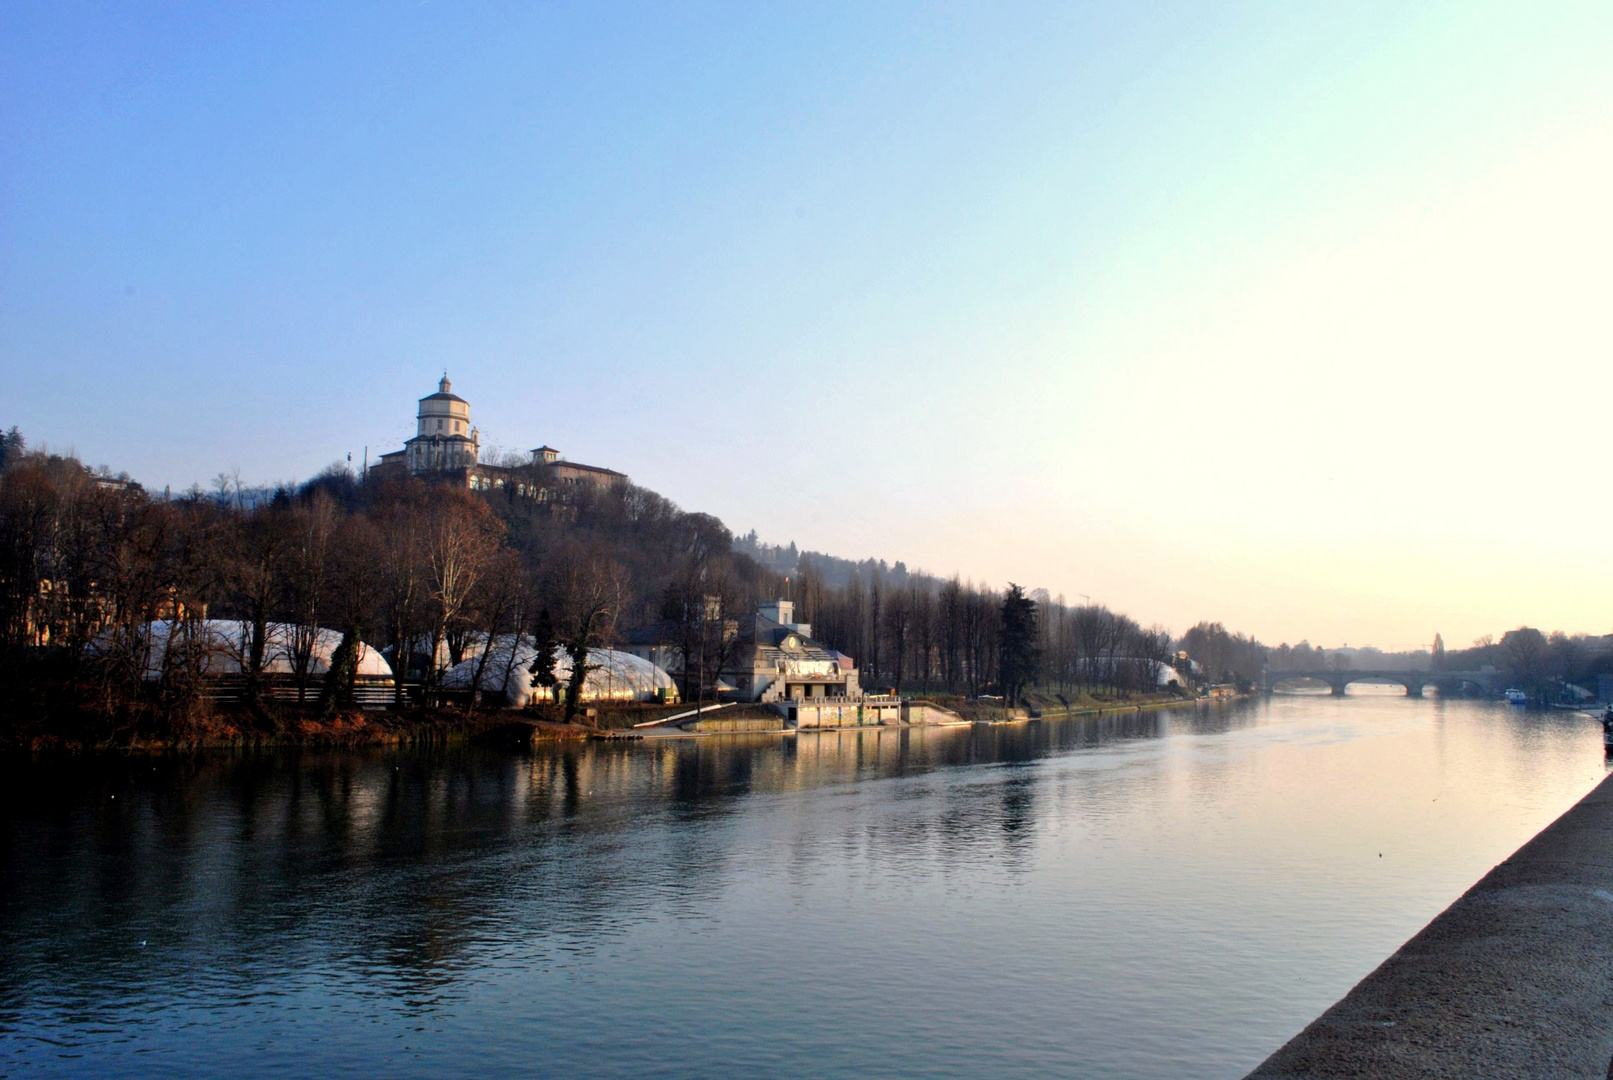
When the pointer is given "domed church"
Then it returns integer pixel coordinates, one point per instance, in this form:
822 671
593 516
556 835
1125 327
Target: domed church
447 448
444 438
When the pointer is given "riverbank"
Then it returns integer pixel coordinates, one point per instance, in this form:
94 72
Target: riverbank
1513 979
1038 706
1091 706
283 725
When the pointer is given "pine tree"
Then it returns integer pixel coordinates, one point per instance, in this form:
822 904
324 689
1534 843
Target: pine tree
543 664
1017 664
337 691
12 446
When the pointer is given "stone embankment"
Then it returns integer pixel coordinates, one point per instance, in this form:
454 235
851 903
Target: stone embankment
1515 979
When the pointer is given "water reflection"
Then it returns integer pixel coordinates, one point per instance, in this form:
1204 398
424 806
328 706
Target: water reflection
1067 881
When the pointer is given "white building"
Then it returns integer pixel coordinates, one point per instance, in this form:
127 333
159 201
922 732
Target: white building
443 437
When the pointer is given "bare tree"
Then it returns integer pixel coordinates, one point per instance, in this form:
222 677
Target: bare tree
307 578
898 630
1528 656
356 587
501 605
586 592
922 602
460 541
254 573
401 567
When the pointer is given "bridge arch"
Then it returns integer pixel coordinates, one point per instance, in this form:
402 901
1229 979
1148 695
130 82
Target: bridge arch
1412 681
1445 682
1290 681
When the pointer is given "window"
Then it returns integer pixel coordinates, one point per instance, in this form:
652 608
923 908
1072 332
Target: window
439 425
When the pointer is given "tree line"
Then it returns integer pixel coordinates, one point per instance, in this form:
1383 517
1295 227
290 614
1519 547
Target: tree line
923 634
436 574
433 573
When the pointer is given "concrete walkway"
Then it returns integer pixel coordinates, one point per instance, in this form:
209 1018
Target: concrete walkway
1515 979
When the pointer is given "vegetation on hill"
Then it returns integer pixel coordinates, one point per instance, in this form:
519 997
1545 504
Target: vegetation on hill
89 561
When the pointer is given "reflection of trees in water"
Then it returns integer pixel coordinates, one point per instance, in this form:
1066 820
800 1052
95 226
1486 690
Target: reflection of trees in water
397 871
391 870
1221 718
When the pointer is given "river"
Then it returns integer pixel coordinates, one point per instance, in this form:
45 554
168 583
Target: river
1171 893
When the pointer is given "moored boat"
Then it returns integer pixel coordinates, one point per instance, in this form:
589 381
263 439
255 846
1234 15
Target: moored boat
1516 696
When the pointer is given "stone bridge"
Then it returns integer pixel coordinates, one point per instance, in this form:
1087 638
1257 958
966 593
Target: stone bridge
1448 683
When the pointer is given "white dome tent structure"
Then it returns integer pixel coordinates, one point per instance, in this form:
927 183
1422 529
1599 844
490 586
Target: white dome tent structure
219 651
612 676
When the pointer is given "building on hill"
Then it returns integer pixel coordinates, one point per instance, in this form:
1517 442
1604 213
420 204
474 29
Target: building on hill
447 448
443 437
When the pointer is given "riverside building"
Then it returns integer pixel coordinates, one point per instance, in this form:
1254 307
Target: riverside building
808 683
771 658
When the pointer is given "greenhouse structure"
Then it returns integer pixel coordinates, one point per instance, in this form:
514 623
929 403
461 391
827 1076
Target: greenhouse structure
612 676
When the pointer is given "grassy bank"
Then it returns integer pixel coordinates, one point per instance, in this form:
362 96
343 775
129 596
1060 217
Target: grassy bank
1090 705
149 729
1051 706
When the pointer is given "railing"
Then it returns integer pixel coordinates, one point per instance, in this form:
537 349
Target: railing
230 689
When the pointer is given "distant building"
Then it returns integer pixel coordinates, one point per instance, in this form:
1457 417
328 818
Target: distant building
773 658
779 660
443 439
447 448
659 643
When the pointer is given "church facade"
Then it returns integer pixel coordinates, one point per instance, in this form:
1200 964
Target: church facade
447 448
443 437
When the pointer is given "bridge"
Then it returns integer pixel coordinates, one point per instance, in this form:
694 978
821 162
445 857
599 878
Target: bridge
1448 683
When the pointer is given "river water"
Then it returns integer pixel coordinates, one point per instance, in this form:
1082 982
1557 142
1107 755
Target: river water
1168 893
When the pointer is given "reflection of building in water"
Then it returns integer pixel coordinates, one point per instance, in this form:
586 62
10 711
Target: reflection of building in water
446 447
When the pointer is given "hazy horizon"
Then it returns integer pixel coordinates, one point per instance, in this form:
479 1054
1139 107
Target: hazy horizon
1286 318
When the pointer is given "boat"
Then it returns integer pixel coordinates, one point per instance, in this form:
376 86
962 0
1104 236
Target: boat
1516 696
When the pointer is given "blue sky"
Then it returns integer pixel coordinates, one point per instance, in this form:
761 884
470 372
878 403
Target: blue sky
1279 314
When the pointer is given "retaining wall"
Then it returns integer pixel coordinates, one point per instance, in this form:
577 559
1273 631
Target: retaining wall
1515 979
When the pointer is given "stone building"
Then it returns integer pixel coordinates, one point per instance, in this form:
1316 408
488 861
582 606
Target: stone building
447 448
443 438
778 660
772 658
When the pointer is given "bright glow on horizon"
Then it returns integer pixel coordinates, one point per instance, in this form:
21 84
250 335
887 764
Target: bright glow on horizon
1291 318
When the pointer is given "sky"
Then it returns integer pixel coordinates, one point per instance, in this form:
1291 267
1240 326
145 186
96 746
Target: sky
1292 316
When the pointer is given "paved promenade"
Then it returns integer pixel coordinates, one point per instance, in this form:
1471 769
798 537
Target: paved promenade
1515 979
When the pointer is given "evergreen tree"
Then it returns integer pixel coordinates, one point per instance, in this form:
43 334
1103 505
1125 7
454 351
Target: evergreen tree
1019 651
543 664
337 691
12 446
